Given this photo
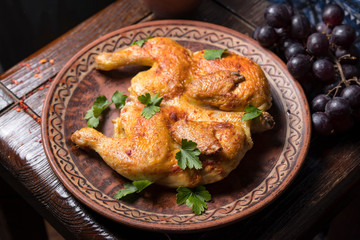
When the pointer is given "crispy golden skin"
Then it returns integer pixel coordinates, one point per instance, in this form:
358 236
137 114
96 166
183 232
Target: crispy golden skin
230 83
204 101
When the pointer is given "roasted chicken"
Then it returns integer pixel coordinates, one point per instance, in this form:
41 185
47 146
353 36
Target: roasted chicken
203 101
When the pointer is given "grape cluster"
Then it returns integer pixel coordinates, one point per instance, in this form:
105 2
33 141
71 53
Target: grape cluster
322 58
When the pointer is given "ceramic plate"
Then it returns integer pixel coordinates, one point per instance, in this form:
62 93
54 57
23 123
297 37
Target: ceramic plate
262 175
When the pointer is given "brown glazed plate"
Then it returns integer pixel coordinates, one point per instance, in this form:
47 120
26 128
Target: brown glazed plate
262 175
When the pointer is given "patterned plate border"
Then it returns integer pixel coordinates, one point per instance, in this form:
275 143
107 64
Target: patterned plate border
288 164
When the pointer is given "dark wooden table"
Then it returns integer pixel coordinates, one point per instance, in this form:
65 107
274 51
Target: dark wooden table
323 186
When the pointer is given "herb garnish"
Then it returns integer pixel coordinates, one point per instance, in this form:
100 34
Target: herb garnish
100 104
134 187
194 198
141 42
152 105
188 156
250 113
210 54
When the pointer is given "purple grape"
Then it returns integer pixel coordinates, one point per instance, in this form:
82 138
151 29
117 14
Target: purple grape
255 33
294 49
355 52
323 28
331 85
333 15
277 15
340 51
324 69
321 123
282 32
300 26
349 71
352 54
266 36
352 94
285 43
338 108
318 44
332 47
299 65
319 102
343 35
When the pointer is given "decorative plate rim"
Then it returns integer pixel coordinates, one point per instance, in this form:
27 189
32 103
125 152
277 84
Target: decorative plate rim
192 225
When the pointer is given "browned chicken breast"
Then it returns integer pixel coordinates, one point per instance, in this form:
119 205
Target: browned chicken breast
204 101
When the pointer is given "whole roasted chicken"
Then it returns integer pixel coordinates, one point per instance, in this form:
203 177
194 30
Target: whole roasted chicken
203 101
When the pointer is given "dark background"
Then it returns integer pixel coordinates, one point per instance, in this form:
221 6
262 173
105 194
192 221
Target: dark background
28 25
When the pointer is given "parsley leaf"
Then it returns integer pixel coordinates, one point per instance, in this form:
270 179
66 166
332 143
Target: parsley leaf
134 187
188 156
129 188
145 99
92 121
152 105
194 198
119 99
93 115
141 185
210 54
100 104
141 42
250 113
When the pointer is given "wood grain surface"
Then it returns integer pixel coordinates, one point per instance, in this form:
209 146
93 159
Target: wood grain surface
5 98
331 168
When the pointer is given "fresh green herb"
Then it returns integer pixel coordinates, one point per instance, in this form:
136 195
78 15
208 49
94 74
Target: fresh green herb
250 113
210 54
119 99
134 187
152 105
92 121
141 42
194 198
188 156
101 103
